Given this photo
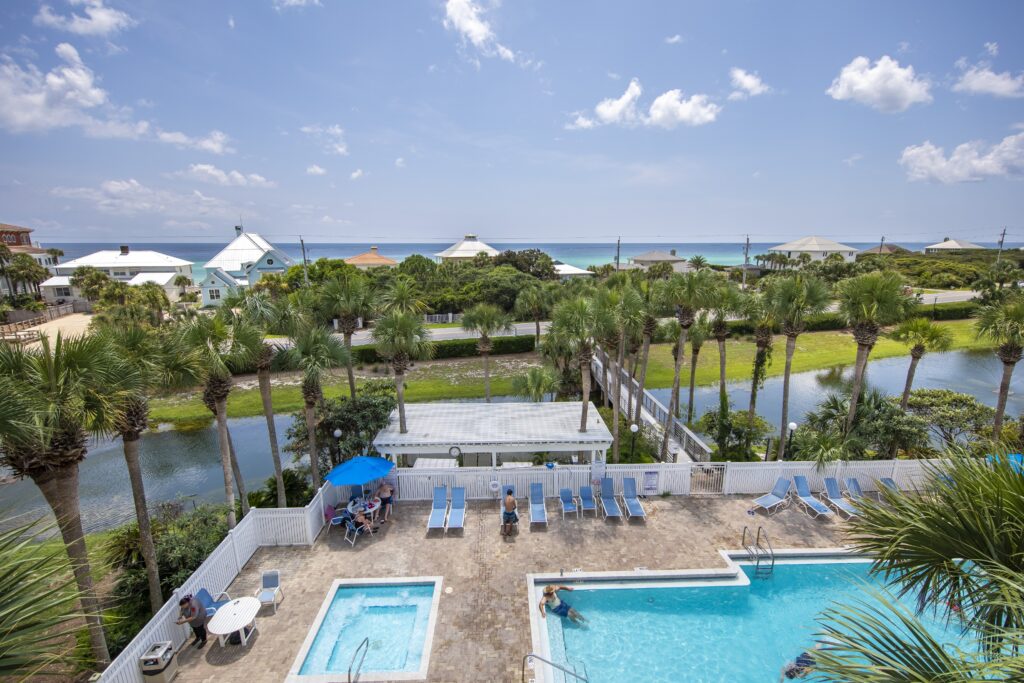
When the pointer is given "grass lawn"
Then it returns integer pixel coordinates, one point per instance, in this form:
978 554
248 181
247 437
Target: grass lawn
439 326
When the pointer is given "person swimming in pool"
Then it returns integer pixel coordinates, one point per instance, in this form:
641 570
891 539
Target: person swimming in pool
559 606
799 668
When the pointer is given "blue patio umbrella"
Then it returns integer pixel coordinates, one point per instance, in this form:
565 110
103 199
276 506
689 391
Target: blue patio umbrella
359 470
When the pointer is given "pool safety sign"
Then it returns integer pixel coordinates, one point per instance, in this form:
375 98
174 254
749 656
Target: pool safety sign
650 484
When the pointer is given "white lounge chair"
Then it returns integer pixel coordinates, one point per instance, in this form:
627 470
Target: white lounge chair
438 508
538 511
270 589
630 500
834 497
811 505
457 510
608 502
777 499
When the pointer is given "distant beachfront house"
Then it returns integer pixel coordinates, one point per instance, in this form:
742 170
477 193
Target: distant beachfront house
818 248
19 241
466 249
649 258
884 249
133 267
239 265
566 272
948 245
371 259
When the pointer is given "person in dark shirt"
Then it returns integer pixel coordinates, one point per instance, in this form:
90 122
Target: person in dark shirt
191 612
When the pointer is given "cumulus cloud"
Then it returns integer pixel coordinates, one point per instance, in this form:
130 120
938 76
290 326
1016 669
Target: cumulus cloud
980 79
853 159
666 111
98 20
131 198
674 40
992 48
356 174
746 84
400 162
970 162
285 4
313 169
208 173
231 23
331 137
884 85
466 17
215 142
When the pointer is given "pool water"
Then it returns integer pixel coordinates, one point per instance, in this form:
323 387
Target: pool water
395 618
740 634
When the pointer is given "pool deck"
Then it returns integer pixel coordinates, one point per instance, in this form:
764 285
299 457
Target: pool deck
483 627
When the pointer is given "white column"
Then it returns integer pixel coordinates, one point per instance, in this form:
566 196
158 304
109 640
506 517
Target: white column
494 459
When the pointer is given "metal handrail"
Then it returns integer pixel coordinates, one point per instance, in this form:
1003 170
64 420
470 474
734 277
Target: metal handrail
366 642
561 668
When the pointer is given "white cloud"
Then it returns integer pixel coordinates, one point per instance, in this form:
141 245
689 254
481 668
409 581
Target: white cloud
215 142
331 220
746 84
98 20
131 198
400 162
971 161
465 17
331 137
356 174
231 22
666 111
885 86
903 47
614 76
208 173
313 169
979 79
285 4
674 40
992 49
853 159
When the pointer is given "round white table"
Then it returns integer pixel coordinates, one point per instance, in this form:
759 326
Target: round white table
232 617
370 507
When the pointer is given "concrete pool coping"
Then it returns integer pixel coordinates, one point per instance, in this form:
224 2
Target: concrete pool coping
731 575
294 675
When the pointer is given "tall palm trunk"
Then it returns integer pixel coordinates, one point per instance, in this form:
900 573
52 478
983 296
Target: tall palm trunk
790 349
243 497
915 358
585 388
400 393
60 489
721 369
760 360
694 353
674 402
645 354
487 377
858 380
348 365
536 322
617 408
314 452
605 388
263 375
221 409
130 443
1004 391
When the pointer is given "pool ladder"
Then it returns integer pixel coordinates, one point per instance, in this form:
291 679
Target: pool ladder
571 676
364 647
759 552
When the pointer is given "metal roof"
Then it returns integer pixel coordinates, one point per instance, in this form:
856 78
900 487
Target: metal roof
955 244
248 247
113 258
812 243
467 247
657 256
162 279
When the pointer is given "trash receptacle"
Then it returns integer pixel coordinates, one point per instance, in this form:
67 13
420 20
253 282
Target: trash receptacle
158 663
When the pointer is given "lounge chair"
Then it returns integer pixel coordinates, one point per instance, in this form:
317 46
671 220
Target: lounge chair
438 508
211 606
777 499
568 502
853 490
608 504
888 483
811 505
835 498
457 512
538 512
270 588
587 502
353 532
630 501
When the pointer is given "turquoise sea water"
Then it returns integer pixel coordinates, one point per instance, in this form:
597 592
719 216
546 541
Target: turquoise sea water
739 634
394 618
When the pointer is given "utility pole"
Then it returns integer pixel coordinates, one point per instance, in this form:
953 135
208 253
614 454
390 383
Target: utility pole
881 246
1002 237
305 261
746 260
618 247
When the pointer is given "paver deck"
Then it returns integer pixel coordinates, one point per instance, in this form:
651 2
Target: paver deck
483 627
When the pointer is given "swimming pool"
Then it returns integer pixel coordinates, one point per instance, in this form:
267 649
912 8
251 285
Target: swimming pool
395 616
740 629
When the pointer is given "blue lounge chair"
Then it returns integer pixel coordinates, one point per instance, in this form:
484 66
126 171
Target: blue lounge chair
630 501
853 490
888 483
587 502
457 512
812 505
835 498
608 504
777 499
211 606
270 588
568 502
538 513
438 508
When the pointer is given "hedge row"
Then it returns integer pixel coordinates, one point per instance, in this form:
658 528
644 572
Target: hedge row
455 348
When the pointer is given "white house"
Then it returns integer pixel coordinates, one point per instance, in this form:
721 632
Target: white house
125 264
58 288
649 258
465 249
948 245
819 248
241 264
567 272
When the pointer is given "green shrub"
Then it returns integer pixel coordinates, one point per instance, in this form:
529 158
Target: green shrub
455 348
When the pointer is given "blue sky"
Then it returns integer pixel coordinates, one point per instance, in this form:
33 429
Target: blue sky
346 120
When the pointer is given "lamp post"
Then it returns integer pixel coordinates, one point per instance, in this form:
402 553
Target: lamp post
634 428
789 442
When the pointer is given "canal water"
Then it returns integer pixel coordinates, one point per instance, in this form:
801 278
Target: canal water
186 464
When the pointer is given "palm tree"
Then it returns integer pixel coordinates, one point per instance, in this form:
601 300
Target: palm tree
699 333
535 385
182 282
760 312
401 338
62 392
5 261
314 350
26 271
402 296
1003 325
534 303
920 334
348 299
486 320
627 317
795 298
160 362
686 293
698 262
153 297
573 328
90 282
869 302
222 343
727 301
652 297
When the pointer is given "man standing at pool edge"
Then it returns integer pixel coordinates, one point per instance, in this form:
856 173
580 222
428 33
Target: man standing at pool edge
559 606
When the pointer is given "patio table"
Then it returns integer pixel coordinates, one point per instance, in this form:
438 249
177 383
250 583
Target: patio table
371 507
235 616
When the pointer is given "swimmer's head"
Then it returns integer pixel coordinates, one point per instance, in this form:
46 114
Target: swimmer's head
549 590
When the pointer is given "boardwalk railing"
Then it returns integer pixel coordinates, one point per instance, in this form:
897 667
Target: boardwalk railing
691 444
441 317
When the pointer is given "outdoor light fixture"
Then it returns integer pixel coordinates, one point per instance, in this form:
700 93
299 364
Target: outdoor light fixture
634 428
789 443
